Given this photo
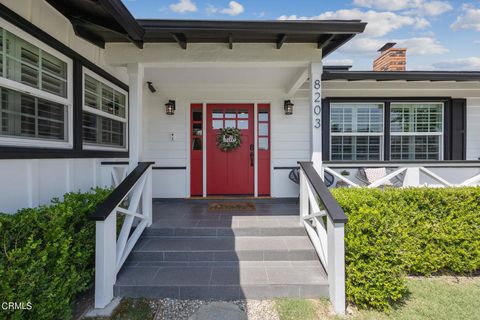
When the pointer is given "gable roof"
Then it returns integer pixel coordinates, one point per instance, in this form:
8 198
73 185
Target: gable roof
104 21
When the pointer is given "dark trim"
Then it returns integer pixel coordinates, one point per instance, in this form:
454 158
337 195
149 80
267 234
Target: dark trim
458 129
41 35
402 75
333 209
46 153
181 39
447 132
386 131
104 209
281 40
169 168
77 105
325 130
389 99
284 168
118 163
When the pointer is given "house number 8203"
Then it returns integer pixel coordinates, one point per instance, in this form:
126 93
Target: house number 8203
317 100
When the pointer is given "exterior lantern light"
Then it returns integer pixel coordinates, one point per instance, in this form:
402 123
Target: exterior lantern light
170 107
288 107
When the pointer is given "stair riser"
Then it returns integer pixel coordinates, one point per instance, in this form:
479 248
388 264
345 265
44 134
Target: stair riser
253 255
222 232
223 292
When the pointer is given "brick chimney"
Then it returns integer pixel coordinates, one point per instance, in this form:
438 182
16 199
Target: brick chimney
391 59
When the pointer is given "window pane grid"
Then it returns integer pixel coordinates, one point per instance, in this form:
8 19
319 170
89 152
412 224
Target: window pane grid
356 131
103 131
102 97
416 131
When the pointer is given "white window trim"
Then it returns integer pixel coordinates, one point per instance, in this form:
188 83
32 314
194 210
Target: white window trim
439 134
359 134
20 87
85 108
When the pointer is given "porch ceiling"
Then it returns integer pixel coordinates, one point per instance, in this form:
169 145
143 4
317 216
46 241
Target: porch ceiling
218 78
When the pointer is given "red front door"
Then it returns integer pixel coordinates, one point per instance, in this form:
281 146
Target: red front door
230 172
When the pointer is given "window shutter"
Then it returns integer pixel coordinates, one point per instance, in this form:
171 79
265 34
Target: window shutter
458 129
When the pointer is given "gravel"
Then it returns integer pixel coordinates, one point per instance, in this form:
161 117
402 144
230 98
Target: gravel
173 309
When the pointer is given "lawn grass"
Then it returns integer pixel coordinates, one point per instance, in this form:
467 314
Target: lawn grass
293 309
441 298
438 298
132 309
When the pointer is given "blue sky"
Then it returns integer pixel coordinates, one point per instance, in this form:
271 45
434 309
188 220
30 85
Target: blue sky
439 34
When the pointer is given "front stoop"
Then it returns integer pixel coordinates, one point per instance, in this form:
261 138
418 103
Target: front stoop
247 257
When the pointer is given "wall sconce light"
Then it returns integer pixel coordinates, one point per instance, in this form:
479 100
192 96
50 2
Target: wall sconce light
151 87
288 107
170 107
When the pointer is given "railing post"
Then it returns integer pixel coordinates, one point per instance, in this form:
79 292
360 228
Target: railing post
147 197
336 265
105 257
412 177
303 205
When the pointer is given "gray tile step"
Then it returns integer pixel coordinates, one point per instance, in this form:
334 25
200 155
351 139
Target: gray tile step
223 231
226 282
223 249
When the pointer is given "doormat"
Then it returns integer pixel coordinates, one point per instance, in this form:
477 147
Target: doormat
231 206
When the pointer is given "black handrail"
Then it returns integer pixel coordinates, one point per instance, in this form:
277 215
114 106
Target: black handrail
333 209
104 209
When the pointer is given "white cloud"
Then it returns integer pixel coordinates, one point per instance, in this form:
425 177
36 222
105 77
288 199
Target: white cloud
465 64
234 9
338 62
422 46
469 20
379 23
183 6
423 7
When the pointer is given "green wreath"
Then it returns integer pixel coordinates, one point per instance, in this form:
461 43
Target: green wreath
229 139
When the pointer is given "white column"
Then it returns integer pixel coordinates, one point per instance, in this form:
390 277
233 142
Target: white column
336 265
135 113
105 258
315 73
303 205
147 198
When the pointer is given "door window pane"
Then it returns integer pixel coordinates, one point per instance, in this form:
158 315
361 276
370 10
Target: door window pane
242 114
263 129
230 124
230 114
217 114
197 144
243 124
263 115
197 115
263 143
217 124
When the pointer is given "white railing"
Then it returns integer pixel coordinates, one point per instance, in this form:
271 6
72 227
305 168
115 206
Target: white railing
324 222
131 198
424 174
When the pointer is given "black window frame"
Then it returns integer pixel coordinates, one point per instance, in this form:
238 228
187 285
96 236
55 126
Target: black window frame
79 62
454 124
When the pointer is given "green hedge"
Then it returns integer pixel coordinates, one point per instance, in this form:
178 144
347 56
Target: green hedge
392 233
47 256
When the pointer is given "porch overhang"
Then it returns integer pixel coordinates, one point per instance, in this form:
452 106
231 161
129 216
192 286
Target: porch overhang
457 76
109 21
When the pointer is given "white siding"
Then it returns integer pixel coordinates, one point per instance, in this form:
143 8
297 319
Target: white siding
473 129
29 183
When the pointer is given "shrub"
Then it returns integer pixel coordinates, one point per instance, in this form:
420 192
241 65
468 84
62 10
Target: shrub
417 231
47 255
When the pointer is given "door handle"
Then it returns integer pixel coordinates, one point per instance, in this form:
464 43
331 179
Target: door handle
252 155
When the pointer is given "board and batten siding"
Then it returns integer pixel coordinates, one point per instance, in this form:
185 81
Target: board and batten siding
473 128
32 182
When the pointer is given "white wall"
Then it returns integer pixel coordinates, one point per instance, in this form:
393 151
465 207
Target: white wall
290 136
29 183
473 129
